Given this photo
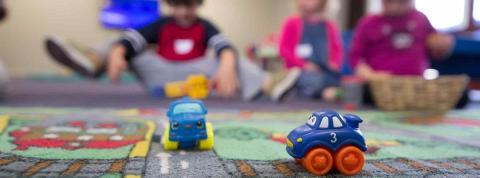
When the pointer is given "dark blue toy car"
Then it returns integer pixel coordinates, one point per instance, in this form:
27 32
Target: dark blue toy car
187 127
329 140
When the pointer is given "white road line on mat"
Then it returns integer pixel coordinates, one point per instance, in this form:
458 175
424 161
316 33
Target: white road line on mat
184 164
164 162
183 153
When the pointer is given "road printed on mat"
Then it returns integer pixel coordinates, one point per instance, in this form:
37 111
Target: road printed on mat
391 153
73 147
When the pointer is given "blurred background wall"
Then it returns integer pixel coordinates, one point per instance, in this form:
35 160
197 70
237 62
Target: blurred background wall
30 21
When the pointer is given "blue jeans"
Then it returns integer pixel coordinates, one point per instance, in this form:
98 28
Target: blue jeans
311 85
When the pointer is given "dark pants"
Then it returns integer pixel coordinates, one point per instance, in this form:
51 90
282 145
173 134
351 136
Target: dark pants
311 85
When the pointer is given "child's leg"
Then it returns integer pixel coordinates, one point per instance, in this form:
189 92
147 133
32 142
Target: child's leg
91 61
87 61
155 72
252 79
318 85
332 84
310 84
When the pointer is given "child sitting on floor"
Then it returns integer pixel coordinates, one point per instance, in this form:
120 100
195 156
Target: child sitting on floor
311 46
182 39
399 41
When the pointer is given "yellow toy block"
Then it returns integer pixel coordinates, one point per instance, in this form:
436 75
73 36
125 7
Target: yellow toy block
175 89
196 87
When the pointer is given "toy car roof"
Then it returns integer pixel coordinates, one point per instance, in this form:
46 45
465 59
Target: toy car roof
186 100
329 114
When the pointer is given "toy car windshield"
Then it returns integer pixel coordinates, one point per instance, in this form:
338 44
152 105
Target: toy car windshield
191 108
323 122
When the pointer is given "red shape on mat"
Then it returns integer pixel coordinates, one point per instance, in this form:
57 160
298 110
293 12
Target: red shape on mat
464 122
108 144
18 133
149 112
107 125
80 124
41 143
282 140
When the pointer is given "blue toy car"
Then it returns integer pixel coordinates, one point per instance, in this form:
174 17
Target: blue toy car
329 140
187 127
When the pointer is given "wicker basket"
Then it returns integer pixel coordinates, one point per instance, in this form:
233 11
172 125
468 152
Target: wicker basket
417 94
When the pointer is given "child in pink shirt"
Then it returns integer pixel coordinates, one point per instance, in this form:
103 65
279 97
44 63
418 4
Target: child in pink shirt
399 41
311 46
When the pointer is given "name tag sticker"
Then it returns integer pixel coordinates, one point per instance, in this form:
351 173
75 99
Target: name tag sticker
304 51
183 46
402 40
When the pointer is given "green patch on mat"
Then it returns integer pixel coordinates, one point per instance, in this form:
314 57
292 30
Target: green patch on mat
383 146
251 141
111 176
463 126
265 140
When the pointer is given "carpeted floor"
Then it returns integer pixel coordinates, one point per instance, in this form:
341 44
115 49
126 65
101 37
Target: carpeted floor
48 142
63 129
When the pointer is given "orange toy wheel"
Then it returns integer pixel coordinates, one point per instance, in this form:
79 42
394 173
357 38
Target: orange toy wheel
318 161
349 160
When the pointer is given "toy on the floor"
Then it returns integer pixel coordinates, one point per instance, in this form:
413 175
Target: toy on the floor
187 127
329 140
196 87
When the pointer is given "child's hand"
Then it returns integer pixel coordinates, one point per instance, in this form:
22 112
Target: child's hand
116 63
366 72
311 67
440 45
226 79
379 76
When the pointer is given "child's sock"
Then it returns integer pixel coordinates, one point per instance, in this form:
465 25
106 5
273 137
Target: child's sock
330 94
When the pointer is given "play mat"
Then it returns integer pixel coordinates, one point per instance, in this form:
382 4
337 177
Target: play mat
70 142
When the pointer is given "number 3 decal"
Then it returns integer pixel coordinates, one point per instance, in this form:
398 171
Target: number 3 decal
334 137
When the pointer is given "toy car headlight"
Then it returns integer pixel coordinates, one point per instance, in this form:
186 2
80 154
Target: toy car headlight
289 143
199 124
175 125
299 140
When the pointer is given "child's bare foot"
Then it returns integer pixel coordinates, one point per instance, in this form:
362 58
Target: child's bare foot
330 94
